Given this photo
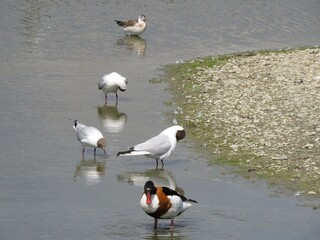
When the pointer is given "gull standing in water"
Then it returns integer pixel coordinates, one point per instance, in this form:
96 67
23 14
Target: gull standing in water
89 137
158 147
133 27
112 82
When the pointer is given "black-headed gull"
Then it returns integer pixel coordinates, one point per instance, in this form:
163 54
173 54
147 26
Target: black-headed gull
89 137
133 27
163 203
158 147
112 82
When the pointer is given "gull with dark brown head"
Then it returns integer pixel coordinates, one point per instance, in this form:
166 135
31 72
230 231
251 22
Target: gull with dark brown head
89 137
158 147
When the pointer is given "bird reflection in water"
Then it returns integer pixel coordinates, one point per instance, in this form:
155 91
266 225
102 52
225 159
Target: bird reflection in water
159 176
164 234
91 170
135 44
112 120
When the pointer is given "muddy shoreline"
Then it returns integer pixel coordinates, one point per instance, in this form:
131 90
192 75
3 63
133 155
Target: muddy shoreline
259 111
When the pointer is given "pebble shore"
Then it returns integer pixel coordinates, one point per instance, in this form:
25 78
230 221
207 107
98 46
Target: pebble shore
257 110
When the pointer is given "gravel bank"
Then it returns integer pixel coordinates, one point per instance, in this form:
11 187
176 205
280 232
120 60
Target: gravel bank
257 110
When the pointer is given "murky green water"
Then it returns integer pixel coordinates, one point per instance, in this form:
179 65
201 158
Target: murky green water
53 53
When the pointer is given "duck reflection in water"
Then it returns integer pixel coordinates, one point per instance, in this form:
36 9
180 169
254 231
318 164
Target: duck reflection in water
161 177
91 170
164 234
113 121
134 44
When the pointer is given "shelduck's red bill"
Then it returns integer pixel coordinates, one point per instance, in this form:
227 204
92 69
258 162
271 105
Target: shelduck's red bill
148 201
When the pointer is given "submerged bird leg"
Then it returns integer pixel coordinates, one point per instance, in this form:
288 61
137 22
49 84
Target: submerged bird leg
172 224
95 149
116 99
104 151
105 99
83 152
157 163
162 163
155 223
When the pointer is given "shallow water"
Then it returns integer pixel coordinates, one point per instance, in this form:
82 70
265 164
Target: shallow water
53 53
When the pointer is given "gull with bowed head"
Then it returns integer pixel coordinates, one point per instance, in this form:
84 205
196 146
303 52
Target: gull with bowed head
111 83
89 137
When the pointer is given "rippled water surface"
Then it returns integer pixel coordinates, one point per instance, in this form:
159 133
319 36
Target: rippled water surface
53 53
